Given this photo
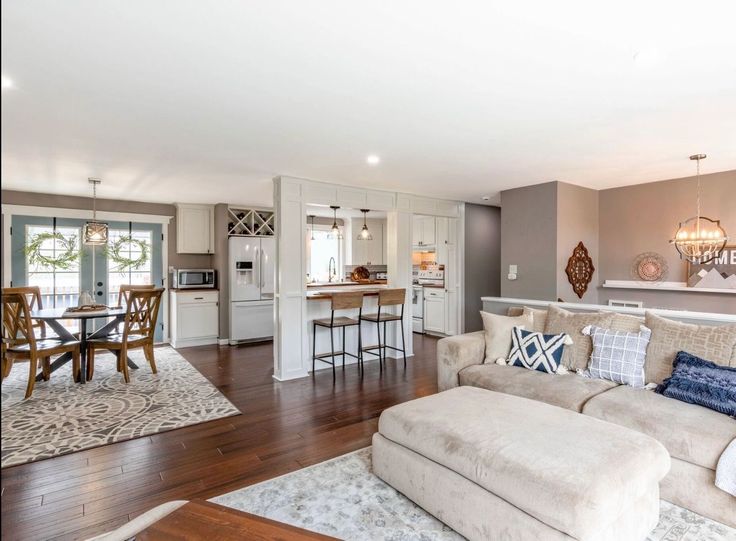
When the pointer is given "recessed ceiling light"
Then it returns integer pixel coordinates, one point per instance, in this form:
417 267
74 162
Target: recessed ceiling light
7 82
486 198
372 159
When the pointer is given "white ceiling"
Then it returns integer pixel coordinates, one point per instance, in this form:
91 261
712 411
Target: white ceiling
198 101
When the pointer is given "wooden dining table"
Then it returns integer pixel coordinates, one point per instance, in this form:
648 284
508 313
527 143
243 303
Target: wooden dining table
53 317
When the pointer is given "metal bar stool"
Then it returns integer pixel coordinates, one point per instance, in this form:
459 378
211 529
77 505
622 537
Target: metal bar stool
387 297
340 301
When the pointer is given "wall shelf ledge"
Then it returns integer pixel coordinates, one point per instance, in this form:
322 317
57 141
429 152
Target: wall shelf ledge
663 286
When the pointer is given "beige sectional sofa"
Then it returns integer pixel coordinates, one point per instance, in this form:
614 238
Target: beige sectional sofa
693 435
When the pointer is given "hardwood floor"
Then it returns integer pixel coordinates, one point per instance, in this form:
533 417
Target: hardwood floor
284 426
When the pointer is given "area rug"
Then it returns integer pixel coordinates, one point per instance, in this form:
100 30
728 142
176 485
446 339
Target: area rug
62 417
342 498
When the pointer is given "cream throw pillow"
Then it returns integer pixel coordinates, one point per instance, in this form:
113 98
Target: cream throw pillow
497 332
576 356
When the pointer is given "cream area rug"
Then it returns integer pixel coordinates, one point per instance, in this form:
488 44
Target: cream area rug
342 498
63 417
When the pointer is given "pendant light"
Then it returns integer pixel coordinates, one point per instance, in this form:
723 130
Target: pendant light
311 220
335 229
699 239
95 233
364 233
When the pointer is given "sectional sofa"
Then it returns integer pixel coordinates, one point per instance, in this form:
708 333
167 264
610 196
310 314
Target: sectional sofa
694 436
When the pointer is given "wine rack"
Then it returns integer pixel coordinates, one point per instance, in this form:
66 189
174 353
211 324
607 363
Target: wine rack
250 223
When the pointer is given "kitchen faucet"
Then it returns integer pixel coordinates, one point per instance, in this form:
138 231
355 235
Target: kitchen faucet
332 269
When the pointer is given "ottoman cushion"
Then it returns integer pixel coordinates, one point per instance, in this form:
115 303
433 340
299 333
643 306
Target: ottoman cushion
574 473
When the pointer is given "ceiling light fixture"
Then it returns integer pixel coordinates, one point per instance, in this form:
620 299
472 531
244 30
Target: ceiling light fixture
699 239
95 233
486 198
335 229
372 159
7 82
311 219
364 233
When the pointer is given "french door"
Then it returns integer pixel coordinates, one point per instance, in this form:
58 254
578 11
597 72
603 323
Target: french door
98 270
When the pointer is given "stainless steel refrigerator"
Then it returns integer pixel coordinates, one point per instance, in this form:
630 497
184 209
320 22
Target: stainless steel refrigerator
252 275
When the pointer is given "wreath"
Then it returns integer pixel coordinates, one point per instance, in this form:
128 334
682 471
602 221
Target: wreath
69 250
115 251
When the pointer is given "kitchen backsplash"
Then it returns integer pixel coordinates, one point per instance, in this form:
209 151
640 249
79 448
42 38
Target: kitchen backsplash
373 269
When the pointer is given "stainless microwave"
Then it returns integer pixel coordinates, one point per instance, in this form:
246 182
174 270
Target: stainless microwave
193 278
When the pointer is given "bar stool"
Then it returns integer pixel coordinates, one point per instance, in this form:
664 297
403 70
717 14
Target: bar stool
387 297
340 301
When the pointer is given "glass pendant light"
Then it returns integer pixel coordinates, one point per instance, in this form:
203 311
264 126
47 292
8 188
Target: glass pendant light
95 233
335 229
365 234
311 221
699 239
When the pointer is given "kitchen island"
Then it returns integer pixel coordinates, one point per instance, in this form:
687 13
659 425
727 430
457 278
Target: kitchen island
318 307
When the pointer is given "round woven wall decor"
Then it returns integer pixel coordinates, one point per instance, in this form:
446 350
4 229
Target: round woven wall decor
650 267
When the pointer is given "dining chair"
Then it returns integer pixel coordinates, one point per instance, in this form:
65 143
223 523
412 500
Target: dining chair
20 342
139 327
125 289
35 302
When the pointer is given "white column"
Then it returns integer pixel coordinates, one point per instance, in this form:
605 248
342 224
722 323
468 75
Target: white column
398 238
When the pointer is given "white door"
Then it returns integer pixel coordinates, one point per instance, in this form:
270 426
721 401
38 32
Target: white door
434 313
245 270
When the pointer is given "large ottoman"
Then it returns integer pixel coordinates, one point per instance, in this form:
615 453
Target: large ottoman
497 466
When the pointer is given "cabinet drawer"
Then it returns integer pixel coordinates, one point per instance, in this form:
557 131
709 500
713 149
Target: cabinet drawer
434 292
196 297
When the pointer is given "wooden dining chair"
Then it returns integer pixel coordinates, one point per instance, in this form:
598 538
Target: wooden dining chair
20 342
35 302
139 327
125 289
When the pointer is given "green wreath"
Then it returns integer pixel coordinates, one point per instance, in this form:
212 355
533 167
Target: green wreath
69 250
115 251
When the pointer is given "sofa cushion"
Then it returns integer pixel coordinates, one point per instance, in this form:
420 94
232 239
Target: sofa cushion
717 343
497 333
626 322
539 316
689 432
576 357
568 391
576 479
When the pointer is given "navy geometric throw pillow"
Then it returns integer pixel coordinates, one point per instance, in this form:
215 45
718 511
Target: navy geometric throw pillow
537 351
701 382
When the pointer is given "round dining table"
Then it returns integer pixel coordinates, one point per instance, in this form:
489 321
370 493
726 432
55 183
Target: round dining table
53 317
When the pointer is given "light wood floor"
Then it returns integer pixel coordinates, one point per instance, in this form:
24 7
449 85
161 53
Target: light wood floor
284 427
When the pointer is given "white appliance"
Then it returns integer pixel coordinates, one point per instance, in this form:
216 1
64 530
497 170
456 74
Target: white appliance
430 275
417 309
252 274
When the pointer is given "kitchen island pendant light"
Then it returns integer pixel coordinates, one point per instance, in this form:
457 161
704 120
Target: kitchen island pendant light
699 240
365 234
311 220
95 233
335 229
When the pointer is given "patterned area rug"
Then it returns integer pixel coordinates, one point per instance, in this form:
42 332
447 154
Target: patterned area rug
342 498
63 417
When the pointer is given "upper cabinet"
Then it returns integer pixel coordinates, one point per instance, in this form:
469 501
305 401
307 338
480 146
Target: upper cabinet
369 252
424 231
195 229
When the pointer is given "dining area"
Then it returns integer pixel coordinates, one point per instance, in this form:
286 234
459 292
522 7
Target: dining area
45 339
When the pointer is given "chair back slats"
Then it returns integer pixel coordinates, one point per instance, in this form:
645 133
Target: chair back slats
391 297
35 302
142 312
17 324
125 289
347 300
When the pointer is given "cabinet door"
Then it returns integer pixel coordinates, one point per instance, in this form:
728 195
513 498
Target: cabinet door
359 251
441 231
374 248
451 290
197 320
434 314
194 229
428 230
416 230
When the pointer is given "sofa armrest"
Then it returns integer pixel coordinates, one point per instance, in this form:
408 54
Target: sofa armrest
455 353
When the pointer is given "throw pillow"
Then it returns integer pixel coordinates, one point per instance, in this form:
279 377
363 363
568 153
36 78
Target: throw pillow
537 351
714 342
701 382
560 321
539 316
625 322
617 355
497 333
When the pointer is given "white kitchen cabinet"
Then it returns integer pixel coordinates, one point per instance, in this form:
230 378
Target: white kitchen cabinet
195 229
434 310
423 231
194 317
369 252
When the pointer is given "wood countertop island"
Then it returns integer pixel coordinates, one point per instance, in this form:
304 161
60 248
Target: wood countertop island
325 292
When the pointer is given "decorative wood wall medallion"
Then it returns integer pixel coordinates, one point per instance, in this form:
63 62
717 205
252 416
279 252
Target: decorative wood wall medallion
580 269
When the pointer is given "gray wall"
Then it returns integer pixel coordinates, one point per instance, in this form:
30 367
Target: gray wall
529 240
577 220
220 264
642 218
482 260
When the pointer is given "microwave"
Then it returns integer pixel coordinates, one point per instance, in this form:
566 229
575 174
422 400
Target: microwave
193 278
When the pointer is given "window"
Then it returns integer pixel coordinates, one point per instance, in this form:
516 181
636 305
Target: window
322 248
131 250
59 287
